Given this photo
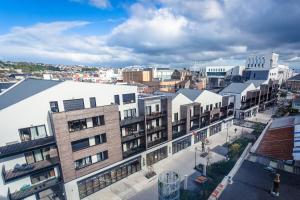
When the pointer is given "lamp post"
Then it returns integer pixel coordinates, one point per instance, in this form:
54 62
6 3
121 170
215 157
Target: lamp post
195 157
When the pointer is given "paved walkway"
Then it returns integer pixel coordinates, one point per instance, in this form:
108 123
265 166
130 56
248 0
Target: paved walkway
136 186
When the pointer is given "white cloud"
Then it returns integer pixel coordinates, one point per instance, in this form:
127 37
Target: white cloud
100 3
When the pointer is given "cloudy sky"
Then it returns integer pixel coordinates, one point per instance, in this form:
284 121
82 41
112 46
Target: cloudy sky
157 32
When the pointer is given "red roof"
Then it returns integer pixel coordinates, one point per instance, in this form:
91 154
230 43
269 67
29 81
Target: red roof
278 144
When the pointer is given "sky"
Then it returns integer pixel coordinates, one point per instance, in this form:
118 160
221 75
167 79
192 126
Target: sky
151 33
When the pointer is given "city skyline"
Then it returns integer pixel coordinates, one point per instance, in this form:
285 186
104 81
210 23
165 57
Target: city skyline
160 32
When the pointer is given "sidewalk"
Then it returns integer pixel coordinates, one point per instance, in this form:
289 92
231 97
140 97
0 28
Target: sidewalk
136 186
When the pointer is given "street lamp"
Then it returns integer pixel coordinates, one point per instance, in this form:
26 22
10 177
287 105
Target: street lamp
195 157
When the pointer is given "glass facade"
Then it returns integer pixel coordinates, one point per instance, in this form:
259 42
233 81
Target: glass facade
200 135
99 181
74 104
181 144
157 155
215 129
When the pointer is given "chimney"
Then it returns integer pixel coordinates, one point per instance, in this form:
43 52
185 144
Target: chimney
276 182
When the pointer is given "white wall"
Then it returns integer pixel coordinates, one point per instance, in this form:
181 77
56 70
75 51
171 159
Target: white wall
207 98
179 100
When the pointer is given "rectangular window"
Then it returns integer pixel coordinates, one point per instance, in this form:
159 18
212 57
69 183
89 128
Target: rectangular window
117 99
32 133
74 104
148 110
99 139
83 162
157 107
157 122
211 106
93 102
220 104
129 113
42 176
175 116
80 144
216 105
207 107
77 125
37 155
128 98
98 121
54 106
102 156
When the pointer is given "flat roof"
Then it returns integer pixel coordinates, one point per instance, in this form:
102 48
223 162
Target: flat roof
253 182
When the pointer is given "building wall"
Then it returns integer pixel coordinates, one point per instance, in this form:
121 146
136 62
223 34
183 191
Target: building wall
207 98
179 100
262 61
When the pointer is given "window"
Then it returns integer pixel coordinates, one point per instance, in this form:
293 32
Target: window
157 107
129 113
207 107
42 176
220 104
117 99
80 144
201 109
93 102
128 98
148 110
102 156
211 106
37 155
54 106
77 125
32 133
157 122
74 104
83 162
216 105
99 139
175 116
98 121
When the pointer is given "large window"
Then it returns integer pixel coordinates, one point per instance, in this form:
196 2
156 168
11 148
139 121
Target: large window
148 110
77 125
99 181
80 144
176 116
54 106
83 162
157 155
93 102
37 155
36 178
99 139
128 98
102 156
117 99
129 113
98 121
74 104
201 135
181 144
32 133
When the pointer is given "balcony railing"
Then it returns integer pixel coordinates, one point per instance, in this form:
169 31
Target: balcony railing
157 141
34 189
194 127
154 115
178 122
195 117
178 134
132 120
214 119
15 149
24 170
133 135
134 151
155 129
202 125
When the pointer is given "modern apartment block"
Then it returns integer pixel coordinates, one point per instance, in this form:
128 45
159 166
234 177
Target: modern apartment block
68 140
252 96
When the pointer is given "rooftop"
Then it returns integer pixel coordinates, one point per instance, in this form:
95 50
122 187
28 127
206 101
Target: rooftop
253 182
191 94
236 88
24 89
257 83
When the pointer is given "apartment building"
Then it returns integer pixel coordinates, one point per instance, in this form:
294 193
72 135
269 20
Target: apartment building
251 96
68 140
137 75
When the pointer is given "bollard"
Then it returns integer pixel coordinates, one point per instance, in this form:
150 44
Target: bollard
185 182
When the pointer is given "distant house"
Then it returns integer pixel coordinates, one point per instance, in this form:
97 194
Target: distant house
293 83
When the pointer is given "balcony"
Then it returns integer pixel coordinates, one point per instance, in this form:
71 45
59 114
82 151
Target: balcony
134 151
231 106
25 170
214 119
34 189
18 148
131 120
133 136
178 134
178 122
194 127
230 113
206 123
206 113
195 117
155 115
157 141
155 129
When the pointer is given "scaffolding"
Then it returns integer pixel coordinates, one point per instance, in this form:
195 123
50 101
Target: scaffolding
169 186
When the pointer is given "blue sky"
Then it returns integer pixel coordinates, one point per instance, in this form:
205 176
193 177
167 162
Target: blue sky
148 32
